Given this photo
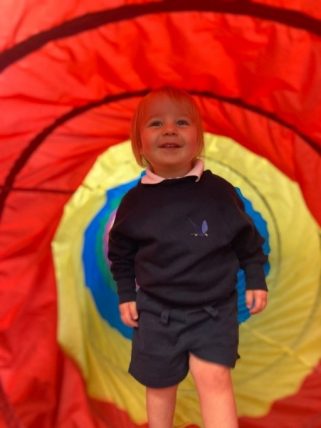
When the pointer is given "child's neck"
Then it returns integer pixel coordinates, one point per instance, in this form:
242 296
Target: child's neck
170 173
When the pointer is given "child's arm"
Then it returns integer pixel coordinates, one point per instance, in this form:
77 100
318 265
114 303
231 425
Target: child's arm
121 255
247 244
129 314
248 247
122 248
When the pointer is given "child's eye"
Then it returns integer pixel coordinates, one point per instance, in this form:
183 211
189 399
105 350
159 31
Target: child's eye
182 122
155 123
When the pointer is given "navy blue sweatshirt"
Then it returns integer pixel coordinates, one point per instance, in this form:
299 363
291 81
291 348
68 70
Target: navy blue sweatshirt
183 242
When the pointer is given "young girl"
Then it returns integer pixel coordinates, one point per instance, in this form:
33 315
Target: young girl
178 240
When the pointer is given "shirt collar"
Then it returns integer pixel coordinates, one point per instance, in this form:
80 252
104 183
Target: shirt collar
152 178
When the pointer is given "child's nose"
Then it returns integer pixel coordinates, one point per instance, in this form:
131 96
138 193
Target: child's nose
169 128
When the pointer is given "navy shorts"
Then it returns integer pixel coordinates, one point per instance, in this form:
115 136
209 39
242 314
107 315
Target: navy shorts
166 336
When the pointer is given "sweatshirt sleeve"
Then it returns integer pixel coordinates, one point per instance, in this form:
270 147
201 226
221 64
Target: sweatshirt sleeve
121 253
247 244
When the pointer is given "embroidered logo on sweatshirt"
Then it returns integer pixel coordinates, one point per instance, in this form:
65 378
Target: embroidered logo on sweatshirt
201 230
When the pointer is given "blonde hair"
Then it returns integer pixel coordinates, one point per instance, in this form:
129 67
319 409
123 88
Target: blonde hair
176 95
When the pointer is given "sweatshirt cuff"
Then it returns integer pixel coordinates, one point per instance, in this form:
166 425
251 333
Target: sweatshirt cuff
255 277
126 291
124 298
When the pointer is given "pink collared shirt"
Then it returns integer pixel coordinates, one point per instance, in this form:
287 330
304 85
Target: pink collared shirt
152 178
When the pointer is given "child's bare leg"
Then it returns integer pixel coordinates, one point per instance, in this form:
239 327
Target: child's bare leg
215 390
161 406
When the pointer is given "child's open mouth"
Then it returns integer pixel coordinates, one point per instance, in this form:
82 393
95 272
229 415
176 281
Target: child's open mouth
170 146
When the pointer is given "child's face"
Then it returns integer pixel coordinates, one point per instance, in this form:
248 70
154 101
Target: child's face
169 138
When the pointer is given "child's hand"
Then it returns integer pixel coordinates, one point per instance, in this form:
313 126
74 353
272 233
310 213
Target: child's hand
256 300
129 314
